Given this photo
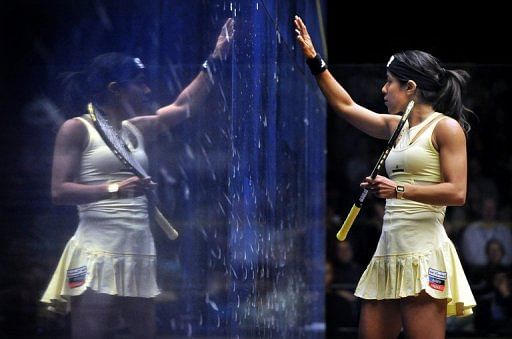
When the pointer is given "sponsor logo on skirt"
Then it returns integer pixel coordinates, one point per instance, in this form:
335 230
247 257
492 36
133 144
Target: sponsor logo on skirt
436 279
76 276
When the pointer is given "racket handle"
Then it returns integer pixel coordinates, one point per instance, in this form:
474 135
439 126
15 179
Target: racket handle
165 225
342 233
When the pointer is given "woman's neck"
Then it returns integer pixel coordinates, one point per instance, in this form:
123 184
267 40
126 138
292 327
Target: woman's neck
114 115
419 114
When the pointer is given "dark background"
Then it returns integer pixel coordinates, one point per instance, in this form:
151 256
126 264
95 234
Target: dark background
360 32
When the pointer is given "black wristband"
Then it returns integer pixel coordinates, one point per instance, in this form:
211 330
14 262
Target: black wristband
317 65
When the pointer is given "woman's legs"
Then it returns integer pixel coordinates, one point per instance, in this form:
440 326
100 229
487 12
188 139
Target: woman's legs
139 316
380 319
423 316
93 315
98 315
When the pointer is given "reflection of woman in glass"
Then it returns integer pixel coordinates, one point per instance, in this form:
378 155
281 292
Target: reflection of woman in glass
107 272
414 279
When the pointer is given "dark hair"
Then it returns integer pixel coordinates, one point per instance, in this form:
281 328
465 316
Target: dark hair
447 98
91 83
492 241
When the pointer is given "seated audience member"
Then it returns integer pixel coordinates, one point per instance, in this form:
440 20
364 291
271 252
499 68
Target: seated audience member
491 284
478 233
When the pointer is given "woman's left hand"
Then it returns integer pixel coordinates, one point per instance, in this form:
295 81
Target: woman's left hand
304 39
224 39
381 187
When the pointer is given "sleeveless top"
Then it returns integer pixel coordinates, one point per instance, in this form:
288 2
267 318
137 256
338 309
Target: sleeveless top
125 222
414 253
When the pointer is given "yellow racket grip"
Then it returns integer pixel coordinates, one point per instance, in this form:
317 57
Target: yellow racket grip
342 233
165 225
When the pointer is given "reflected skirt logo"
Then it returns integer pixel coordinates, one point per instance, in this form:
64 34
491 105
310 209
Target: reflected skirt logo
436 279
76 276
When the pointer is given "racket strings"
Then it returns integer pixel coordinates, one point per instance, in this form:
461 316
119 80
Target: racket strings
118 142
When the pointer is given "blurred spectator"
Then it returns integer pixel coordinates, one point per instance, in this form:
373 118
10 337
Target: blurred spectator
333 223
480 187
346 270
480 276
456 220
491 285
501 307
342 275
478 233
357 166
338 305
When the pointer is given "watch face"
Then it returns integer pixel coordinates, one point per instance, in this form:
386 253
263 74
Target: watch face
113 188
400 188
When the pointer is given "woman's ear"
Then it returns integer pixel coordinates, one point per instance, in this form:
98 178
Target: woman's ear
114 88
411 87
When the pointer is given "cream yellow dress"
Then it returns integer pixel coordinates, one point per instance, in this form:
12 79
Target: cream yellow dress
112 250
414 253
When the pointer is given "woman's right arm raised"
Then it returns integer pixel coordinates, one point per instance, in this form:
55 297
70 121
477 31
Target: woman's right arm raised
377 125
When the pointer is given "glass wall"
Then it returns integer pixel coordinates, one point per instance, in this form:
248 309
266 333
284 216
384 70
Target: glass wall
242 179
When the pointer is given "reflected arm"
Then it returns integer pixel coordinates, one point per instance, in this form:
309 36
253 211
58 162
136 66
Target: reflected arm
192 97
195 94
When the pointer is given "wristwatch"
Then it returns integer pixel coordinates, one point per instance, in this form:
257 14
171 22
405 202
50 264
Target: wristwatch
400 190
113 189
